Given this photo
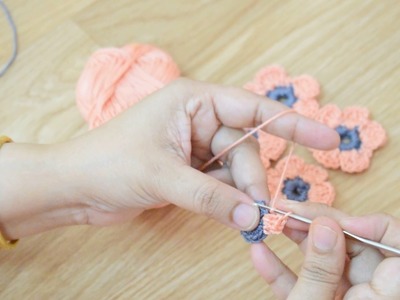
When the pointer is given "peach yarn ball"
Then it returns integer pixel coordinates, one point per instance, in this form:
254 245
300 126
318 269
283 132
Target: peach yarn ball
116 78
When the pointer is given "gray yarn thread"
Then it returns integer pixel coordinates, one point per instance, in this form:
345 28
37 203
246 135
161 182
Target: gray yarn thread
10 21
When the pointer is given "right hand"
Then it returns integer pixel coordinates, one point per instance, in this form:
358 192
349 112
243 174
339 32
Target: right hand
364 273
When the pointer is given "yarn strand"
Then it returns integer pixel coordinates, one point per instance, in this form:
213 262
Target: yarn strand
243 138
13 27
274 223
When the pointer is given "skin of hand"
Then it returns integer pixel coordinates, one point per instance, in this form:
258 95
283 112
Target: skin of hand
148 157
334 268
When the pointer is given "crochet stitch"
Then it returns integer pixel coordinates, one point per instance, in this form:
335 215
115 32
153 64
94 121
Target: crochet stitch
257 235
359 137
301 182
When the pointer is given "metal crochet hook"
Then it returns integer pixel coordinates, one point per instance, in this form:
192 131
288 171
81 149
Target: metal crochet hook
356 237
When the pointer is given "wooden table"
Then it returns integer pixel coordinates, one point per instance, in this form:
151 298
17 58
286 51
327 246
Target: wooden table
351 47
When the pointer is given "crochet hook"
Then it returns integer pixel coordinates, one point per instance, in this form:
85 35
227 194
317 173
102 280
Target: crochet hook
356 237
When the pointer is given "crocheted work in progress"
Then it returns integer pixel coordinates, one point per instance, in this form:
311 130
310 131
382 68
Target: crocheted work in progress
116 78
359 137
257 235
301 182
299 93
274 223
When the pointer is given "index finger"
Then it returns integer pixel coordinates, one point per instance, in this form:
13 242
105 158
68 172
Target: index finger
238 108
377 227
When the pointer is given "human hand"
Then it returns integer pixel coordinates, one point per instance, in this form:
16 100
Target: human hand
148 157
349 269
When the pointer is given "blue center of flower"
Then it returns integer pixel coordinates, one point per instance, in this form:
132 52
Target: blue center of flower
296 189
349 138
283 94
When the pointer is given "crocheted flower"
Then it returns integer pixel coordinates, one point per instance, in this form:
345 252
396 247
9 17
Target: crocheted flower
359 137
299 93
302 182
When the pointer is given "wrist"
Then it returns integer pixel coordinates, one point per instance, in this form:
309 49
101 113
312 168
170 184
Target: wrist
36 194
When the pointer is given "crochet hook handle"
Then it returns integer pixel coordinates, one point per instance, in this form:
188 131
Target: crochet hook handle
356 237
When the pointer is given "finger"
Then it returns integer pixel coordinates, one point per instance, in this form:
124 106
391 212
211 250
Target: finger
244 162
297 236
224 175
202 194
237 108
310 210
323 265
386 279
378 227
358 270
278 276
385 283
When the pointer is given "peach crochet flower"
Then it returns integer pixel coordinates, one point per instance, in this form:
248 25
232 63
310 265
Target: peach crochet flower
302 182
359 137
299 93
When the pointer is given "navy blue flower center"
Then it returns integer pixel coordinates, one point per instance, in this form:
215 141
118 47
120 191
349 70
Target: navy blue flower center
283 94
296 189
349 138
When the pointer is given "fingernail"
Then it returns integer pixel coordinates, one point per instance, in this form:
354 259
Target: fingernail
246 216
324 238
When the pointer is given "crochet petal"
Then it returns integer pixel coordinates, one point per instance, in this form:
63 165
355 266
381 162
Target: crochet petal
306 87
322 193
272 76
271 147
314 174
355 116
330 115
307 107
329 159
273 181
295 166
354 161
372 135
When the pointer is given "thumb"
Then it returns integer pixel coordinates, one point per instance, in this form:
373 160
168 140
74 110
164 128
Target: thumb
195 191
324 262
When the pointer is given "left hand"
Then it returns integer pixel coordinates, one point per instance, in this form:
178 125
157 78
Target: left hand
148 157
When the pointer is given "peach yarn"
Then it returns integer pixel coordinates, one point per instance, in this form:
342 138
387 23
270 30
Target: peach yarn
116 78
360 137
274 223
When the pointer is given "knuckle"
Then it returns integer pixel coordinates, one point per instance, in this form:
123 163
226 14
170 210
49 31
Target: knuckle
319 271
207 199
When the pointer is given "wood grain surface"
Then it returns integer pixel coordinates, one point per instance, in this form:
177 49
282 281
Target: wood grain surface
351 47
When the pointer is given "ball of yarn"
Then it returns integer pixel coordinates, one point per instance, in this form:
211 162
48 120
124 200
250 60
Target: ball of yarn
116 78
